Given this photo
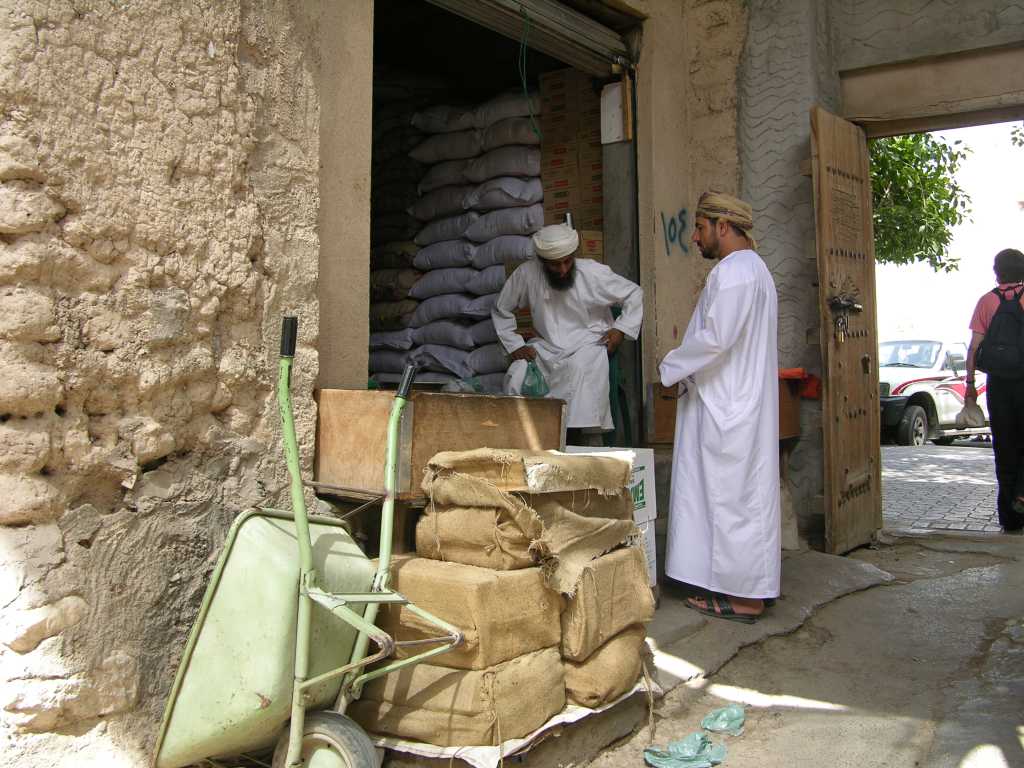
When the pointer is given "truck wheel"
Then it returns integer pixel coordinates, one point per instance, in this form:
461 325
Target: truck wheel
332 741
913 427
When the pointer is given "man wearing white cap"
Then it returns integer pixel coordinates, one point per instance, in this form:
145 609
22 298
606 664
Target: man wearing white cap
571 303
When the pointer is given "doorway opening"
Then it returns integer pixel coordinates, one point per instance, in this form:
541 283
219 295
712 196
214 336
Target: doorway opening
937 475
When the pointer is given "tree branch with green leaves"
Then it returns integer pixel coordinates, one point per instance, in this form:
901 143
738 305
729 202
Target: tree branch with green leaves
917 201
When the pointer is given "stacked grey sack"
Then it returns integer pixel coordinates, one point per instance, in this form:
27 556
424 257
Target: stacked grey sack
394 177
479 201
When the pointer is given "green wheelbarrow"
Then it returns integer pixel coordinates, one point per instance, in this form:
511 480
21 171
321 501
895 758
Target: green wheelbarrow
280 646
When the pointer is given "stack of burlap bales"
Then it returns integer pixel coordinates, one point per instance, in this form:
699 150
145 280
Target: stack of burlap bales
479 201
530 555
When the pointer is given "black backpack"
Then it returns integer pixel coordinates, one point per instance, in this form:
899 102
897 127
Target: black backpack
1001 352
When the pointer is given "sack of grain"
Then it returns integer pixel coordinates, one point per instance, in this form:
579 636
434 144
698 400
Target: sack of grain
439 203
481 306
609 672
506 221
448 146
450 707
387 361
451 228
483 332
451 333
503 192
398 340
506 105
507 249
394 284
503 614
446 306
392 315
445 254
489 359
443 119
612 593
511 130
440 281
393 255
490 280
442 359
443 175
504 161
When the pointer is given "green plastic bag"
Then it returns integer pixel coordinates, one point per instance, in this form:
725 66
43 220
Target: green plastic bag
695 751
728 719
534 384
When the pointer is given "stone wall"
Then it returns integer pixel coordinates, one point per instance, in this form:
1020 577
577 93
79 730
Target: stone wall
158 211
787 68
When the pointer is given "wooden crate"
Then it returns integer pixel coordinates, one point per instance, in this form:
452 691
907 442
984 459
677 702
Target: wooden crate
662 407
352 434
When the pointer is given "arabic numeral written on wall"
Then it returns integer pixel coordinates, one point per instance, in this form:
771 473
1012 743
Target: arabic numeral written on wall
674 229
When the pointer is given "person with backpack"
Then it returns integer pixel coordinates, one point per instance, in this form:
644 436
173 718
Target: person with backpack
997 348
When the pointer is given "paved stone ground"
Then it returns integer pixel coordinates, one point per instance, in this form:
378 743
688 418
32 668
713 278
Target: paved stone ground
939 487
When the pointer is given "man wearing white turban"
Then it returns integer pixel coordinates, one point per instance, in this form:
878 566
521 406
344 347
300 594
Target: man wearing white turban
724 527
571 303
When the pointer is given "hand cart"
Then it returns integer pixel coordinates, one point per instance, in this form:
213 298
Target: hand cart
279 647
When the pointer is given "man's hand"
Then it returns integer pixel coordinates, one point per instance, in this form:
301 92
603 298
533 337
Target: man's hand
612 339
525 352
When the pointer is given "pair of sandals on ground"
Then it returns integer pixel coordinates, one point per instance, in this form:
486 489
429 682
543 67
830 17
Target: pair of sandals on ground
742 609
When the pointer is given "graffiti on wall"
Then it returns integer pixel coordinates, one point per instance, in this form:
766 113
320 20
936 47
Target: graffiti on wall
676 229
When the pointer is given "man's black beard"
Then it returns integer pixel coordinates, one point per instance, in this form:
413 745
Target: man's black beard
710 254
561 282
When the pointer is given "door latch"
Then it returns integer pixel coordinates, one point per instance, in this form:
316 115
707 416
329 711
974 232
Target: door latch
842 305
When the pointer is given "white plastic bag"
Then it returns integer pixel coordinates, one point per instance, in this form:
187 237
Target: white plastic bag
513 130
450 333
437 357
486 281
971 416
447 305
444 119
506 105
489 359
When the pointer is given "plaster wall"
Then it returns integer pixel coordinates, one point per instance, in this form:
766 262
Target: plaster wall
873 32
687 142
158 212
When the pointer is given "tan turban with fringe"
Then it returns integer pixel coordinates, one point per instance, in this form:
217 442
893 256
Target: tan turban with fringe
718 205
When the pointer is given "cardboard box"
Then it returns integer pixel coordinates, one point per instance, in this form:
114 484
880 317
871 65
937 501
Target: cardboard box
650 551
589 217
592 245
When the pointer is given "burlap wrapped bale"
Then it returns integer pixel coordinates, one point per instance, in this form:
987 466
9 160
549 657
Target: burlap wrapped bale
609 672
487 537
503 614
527 471
561 538
451 708
612 594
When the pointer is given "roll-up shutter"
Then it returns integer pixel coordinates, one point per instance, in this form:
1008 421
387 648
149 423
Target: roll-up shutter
551 28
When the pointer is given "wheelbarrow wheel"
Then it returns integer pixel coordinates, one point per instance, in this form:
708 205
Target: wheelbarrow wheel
330 740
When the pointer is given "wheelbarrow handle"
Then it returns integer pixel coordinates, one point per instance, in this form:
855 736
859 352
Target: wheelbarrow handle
407 379
289 335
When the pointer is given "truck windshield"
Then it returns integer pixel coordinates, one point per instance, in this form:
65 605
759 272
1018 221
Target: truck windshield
908 354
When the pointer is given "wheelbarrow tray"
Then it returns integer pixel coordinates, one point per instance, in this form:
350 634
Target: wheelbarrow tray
232 693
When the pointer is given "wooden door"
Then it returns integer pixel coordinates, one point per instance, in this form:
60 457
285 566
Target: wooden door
849 333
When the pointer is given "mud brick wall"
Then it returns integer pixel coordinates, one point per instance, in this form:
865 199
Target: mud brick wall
158 209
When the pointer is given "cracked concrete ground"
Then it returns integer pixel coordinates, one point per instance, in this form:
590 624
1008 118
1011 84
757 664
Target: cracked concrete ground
910 654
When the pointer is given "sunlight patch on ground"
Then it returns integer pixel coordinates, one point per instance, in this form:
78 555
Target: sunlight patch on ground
985 756
754 698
